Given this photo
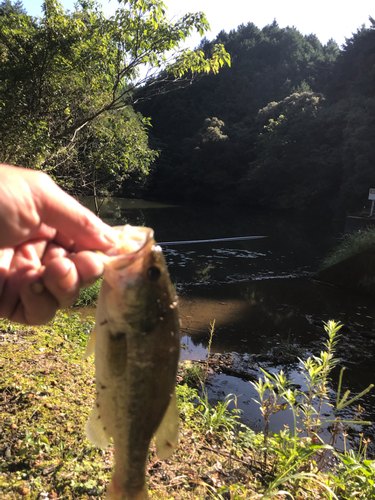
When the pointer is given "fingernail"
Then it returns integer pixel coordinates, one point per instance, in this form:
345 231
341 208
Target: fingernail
37 287
65 281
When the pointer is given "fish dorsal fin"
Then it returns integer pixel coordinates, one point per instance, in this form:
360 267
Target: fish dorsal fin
166 437
90 346
94 430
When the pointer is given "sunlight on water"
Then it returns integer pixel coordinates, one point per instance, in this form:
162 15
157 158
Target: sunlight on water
258 291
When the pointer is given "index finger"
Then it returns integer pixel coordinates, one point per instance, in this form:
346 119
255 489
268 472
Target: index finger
59 210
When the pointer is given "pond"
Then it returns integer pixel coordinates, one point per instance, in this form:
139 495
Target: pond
258 291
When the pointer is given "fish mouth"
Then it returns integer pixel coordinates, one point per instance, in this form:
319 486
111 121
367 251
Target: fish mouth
132 240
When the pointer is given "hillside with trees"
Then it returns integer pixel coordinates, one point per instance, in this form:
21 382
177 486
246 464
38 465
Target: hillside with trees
287 122
290 125
68 82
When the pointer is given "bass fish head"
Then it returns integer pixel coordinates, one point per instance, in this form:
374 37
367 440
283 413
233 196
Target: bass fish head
138 276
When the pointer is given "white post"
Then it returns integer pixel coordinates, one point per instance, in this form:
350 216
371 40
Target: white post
371 196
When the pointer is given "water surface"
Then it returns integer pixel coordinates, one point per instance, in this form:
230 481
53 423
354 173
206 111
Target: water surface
258 291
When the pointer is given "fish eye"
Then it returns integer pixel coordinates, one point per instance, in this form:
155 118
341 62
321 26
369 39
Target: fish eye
153 273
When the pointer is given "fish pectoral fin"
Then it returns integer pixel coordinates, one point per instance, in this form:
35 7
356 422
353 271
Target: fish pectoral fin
166 437
90 346
95 431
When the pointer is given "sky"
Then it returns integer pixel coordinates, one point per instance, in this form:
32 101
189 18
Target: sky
325 18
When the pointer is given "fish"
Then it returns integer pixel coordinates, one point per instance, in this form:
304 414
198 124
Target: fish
136 342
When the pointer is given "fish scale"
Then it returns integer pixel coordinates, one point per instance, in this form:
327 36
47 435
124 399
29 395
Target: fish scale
137 345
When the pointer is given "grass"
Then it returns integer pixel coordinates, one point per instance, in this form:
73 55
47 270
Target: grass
46 394
351 245
192 373
88 296
47 391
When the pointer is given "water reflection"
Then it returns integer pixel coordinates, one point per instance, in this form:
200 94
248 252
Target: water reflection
293 244
258 291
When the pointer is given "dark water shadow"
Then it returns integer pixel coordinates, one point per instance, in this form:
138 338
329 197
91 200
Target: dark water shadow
262 316
275 307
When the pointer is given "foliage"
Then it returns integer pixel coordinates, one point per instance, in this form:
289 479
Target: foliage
354 71
47 393
88 296
268 65
68 81
108 152
294 124
186 397
197 411
351 244
206 161
192 374
249 439
356 475
302 457
218 418
288 130
7 8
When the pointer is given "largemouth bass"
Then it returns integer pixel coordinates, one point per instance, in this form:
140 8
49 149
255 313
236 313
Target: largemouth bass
137 346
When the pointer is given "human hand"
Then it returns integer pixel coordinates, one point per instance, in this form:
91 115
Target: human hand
46 243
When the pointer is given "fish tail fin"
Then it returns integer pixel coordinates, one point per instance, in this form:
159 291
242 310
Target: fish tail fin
116 492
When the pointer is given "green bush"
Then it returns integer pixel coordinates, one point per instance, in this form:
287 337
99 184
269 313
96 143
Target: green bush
351 245
293 454
88 296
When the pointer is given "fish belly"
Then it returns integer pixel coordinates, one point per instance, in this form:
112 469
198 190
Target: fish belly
137 350
135 384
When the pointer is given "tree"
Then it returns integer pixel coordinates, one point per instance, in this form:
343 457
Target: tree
208 169
355 68
110 151
63 72
287 172
268 65
311 146
7 7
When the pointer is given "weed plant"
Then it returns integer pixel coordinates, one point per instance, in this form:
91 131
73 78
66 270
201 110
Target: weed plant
290 463
88 296
300 454
355 477
212 330
186 399
218 418
47 391
192 374
198 412
351 245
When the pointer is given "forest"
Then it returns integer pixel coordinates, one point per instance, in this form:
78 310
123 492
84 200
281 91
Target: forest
290 125
262 118
68 82
257 117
